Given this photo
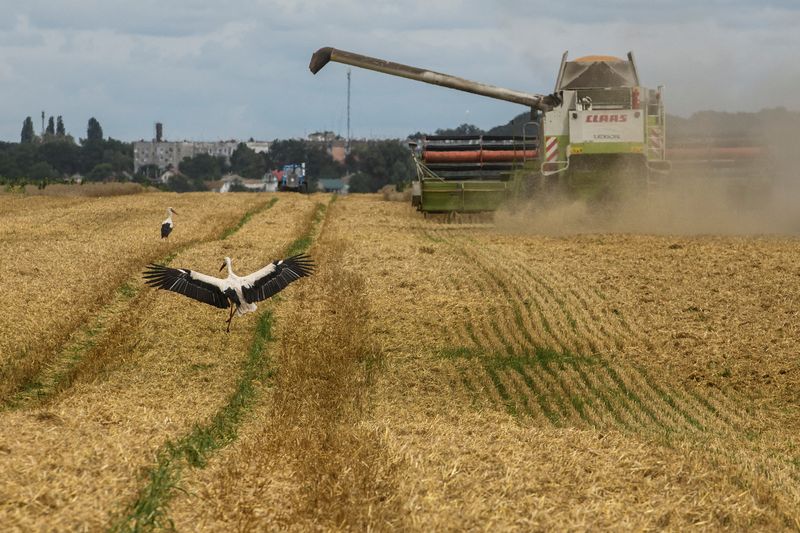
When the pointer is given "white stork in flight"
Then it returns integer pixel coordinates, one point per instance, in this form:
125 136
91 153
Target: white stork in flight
167 225
238 293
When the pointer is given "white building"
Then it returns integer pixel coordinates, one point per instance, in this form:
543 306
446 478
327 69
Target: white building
259 147
266 184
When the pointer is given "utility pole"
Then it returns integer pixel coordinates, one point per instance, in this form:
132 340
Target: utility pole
347 147
42 123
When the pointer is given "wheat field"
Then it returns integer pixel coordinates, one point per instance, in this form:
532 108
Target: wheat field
428 376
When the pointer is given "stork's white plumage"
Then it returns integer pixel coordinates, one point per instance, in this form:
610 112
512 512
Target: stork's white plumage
167 225
240 293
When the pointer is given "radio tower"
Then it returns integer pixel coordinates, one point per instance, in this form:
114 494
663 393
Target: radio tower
347 147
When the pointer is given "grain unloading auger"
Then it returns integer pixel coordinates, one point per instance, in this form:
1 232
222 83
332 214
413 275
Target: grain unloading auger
599 122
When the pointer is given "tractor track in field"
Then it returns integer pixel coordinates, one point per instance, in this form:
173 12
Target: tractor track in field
544 348
149 510
85 352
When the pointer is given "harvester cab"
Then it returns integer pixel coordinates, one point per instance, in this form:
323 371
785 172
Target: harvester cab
604 112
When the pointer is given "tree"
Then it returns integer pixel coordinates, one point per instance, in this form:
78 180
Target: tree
181 183
101 172
62 155
202 167
519 125
27 135
41 171
60 131
91 154
24 156
51 127
379 163
286 152
247 163
464 129
93 131
119 154
360 182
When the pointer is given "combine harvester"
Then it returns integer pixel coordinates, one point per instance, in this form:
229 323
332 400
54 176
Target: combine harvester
599 123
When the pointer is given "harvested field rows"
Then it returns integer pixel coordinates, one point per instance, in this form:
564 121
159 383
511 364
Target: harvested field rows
73 255
164 368
510 390
429 376
548 343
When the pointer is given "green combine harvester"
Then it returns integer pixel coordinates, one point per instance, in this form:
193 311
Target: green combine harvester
598 124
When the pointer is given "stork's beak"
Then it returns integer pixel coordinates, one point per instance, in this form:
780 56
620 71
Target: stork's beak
174 212
222 267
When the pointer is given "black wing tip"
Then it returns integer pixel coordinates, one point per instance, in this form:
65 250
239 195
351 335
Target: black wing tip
302 262
155 275
153 268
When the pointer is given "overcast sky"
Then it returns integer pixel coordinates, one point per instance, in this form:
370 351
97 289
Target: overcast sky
211 69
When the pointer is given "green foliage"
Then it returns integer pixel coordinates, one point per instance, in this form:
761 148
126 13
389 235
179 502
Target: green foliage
51 127
512 127
41 171
183 183
16 159
62 155
60 131
286 152
203 167
118 154
515 126
247 163
463 129
379 163
94 132
100 172
27 135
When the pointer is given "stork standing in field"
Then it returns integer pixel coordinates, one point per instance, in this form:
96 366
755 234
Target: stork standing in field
238 293
167 225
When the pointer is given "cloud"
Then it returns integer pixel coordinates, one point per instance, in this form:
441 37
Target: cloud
239 69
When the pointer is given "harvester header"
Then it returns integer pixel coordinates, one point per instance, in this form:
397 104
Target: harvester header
324 55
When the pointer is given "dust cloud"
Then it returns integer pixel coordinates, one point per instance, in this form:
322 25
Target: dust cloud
754 198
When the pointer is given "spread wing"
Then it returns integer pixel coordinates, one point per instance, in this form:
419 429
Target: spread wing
206 289
274 277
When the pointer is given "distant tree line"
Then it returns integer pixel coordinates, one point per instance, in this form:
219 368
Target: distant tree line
371 164
55 155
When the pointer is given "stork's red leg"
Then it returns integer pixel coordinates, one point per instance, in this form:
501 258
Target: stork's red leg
230 317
